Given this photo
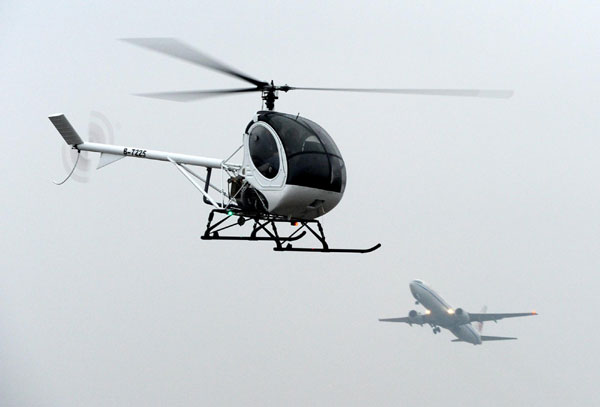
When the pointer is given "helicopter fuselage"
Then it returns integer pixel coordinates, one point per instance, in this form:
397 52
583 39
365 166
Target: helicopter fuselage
292 166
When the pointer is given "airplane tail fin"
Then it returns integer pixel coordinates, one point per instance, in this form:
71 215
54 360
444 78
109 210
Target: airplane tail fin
479 325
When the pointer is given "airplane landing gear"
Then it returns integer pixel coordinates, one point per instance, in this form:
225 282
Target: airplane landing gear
437 330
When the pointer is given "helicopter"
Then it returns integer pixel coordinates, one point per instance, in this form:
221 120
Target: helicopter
291 173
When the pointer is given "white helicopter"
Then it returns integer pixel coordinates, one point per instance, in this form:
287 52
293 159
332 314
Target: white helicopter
291 173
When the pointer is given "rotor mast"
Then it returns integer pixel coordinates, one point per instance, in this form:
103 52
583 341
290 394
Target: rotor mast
270 94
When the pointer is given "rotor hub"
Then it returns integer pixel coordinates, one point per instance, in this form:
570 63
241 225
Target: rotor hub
270 94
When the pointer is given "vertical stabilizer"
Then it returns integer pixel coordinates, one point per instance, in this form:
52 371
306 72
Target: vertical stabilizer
479 325
106 159
65 129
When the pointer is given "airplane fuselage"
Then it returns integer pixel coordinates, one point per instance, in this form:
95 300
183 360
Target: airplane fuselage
442 313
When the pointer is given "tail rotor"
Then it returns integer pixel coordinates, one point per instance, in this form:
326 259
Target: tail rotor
79 164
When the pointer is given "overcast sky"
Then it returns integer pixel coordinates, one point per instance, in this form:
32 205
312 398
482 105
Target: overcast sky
108 297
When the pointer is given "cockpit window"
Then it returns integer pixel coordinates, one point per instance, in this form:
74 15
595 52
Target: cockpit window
263 151
312 157
325 138
295 135
312 144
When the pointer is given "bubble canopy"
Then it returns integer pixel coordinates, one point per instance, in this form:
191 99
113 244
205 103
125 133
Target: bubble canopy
313 159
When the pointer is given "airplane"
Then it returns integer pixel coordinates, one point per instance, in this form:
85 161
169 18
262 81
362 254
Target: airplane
439 314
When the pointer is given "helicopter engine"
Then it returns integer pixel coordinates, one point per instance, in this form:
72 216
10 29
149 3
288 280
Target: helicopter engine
292 167
248 198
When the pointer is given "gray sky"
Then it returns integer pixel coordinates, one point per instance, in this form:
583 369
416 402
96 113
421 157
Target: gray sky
109 297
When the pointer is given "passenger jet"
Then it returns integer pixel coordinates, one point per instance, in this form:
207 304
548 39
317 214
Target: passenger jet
438 314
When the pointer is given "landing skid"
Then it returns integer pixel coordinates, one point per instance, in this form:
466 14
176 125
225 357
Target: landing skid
266 224
289 248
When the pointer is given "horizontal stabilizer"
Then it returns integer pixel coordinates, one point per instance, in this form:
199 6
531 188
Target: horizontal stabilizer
106 158
488 338
496 338
65 129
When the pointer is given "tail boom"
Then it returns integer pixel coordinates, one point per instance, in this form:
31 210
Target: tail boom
112 153
150 154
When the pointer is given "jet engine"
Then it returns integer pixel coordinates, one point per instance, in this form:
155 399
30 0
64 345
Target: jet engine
462 316
415 317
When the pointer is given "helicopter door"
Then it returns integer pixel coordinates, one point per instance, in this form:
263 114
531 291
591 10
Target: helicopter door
264 153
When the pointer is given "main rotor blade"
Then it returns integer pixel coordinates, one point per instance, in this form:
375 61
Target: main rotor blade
191 95
500 94
177 49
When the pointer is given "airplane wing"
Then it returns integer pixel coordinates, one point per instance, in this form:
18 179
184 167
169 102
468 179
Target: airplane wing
496 317
424 319
403 319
